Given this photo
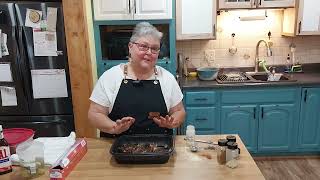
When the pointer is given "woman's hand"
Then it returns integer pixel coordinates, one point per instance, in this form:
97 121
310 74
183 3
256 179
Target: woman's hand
122 125
166 122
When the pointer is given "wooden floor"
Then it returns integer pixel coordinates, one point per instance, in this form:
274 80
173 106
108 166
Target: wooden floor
289 168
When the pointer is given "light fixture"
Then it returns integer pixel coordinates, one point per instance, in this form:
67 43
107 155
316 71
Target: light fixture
253 15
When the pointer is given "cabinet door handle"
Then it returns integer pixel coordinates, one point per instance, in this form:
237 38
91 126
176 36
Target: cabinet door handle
129 6
305 95
214 30
254 113
260 3
201 119
200 99
299 28
262 113
135 8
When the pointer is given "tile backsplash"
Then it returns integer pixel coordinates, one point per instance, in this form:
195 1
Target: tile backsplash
247 34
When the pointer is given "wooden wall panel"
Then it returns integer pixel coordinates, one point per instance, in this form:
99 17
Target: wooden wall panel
79 64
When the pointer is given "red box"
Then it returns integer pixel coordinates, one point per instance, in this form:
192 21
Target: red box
65 164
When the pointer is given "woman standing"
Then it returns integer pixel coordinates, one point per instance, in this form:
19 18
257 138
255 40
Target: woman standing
138 97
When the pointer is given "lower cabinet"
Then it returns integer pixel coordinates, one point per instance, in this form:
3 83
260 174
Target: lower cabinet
241 120
276 127
309 124
268 120
204 119
202 111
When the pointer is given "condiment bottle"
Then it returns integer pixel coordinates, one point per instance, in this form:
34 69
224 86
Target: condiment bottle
5 162
221 151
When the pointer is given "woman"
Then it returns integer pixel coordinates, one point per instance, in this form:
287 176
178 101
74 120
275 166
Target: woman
137 97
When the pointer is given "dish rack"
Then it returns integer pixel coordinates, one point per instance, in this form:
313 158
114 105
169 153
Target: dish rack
232 77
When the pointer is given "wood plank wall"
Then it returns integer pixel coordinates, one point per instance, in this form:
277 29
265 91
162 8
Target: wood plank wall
79 64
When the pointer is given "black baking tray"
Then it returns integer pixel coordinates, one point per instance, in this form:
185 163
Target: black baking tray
166 142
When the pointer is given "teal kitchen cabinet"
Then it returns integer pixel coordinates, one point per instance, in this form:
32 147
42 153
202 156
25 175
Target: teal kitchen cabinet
241 120
202 111
265 118
275 131
309 125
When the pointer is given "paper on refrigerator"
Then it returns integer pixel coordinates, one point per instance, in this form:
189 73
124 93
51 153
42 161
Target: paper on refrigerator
51 18
8 96
5 73
33 18
4 46
49 83
44 43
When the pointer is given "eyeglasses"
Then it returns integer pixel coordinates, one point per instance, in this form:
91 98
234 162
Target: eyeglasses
143 47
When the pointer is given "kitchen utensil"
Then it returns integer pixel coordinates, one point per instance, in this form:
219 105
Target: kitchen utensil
207 73
165 142
233 48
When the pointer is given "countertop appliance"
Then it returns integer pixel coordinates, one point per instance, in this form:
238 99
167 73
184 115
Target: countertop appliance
47 116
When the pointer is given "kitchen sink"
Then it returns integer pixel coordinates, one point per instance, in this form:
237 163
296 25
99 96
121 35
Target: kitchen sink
263 76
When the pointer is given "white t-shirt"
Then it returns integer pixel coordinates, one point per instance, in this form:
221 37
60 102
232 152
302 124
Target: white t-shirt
108 85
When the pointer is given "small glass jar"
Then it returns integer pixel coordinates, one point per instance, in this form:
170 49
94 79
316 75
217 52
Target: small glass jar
232 151
221 151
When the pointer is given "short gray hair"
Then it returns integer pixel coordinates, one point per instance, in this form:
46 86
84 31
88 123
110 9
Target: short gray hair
145 29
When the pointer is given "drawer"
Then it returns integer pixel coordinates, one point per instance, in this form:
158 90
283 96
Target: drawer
260 96
203 118
198 98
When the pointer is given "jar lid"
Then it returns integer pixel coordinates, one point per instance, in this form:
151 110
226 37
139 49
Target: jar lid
222 142
16 136
232 145
231 138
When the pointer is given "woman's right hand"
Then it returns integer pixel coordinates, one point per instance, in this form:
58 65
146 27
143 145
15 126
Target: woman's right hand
122 124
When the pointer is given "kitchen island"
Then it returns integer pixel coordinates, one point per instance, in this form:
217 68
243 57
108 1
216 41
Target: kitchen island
183 164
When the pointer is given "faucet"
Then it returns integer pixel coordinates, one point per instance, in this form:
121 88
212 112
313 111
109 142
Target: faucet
269 53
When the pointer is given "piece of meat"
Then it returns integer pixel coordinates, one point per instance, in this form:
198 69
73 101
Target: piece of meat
153 115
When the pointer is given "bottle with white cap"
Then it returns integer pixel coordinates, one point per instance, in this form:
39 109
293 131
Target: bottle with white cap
5 163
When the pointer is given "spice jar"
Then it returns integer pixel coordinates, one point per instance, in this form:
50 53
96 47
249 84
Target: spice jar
221 151
231 138
232 151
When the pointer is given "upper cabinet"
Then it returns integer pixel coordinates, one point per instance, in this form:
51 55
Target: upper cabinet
302 20
132 9
196 20
248 4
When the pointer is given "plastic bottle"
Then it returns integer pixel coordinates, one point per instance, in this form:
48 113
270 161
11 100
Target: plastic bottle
5 162
190 137
288 66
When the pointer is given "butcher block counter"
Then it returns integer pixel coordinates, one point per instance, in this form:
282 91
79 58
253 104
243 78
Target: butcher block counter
184 164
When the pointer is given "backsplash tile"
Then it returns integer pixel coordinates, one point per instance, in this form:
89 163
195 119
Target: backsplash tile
248 33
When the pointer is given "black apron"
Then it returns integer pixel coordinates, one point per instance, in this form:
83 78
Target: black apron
136 98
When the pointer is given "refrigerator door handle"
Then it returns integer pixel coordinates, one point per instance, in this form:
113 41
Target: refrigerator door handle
21 64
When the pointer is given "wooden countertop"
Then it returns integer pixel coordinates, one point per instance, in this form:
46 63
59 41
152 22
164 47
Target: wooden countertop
184 164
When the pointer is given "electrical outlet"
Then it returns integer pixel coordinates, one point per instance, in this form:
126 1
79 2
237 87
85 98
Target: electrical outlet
209 55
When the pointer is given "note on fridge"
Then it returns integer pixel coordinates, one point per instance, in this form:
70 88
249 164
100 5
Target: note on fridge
33 18
8 96
5 73
51 19
45 43
4 46
49 83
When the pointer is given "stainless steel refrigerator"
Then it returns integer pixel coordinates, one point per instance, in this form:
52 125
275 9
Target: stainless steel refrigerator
47 116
